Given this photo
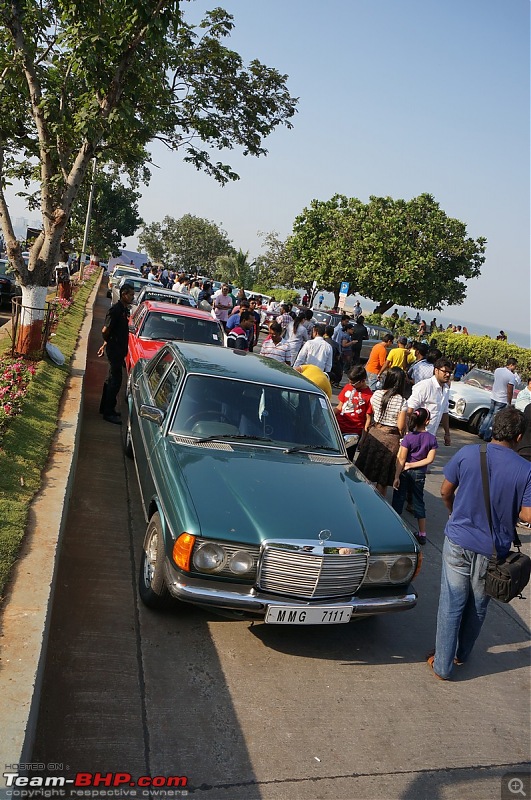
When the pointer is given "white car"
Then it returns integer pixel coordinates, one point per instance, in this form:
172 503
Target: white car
469 398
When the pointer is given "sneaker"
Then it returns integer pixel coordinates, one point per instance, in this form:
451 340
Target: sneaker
421 538
524 524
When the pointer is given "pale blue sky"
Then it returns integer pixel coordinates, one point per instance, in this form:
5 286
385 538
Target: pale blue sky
397 97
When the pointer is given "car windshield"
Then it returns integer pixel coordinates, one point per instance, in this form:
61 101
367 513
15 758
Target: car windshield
480 378
211 406
170 327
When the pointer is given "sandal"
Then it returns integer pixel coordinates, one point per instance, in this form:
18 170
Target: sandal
431 654
429 662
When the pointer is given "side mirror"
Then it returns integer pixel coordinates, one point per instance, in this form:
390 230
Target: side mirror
152 413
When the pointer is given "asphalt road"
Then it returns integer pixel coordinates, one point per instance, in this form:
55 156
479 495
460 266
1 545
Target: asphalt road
248 711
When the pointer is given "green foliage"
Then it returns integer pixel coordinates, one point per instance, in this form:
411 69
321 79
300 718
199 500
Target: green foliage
85 79
483 351
236 270
392 251
275 267
282 295
114 216
188 244
26 442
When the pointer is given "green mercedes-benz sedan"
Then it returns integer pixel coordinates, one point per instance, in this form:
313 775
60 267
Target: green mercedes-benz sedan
253 509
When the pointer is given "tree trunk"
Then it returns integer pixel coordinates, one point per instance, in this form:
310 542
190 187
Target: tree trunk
383 306
31 321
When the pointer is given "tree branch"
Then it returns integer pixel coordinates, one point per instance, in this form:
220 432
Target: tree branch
14 25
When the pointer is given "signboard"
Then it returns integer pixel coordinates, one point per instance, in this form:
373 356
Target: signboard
344 288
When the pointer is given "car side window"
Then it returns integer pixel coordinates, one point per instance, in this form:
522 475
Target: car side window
167 388
138 317
159 370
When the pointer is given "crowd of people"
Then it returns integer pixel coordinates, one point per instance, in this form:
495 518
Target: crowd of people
389 412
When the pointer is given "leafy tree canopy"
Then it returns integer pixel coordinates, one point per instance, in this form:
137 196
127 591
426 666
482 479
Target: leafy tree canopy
114 216
85 79
392 251
275 267
190 244
236 269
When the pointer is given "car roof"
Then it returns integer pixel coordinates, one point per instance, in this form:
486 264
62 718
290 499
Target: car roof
125 268
163 290
137 278
225 362
178 310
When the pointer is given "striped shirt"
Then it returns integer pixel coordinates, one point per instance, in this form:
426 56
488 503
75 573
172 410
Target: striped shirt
279 352
395 405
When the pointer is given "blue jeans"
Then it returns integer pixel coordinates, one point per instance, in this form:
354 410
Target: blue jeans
411 479
485 432
462 605
372 380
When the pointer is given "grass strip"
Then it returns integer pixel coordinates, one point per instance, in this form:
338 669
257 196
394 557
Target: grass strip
25 445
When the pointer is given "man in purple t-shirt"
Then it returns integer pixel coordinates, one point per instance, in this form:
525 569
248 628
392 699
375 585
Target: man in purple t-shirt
468 541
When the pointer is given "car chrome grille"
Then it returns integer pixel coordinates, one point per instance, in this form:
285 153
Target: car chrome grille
311 574
451 403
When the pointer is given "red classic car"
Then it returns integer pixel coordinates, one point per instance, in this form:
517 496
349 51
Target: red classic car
155 323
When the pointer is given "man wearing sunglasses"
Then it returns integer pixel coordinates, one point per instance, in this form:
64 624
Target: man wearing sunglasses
432 394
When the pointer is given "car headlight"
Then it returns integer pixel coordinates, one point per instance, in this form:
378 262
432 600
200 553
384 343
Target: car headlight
390 569
225 559
460 406
241 562
209 557
401 570
377 571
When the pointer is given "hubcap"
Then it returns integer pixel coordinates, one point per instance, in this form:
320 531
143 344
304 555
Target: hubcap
151 558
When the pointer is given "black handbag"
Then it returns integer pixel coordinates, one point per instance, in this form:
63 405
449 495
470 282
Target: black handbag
505 577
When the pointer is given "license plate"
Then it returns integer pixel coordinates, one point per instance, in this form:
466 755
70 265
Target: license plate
295 615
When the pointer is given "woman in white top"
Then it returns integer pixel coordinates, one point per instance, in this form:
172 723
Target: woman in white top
378 450
297 336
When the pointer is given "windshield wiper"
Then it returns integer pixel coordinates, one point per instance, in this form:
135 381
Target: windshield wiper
233 436
310 447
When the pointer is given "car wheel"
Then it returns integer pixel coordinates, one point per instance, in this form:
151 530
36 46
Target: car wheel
128 447
476 419
152 588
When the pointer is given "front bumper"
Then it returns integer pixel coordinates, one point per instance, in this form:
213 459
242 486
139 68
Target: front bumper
247 602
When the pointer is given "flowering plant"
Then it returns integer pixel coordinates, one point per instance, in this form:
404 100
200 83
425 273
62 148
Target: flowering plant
15 376
61 306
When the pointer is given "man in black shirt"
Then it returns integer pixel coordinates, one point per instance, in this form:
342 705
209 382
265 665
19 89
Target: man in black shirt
359 332
115 334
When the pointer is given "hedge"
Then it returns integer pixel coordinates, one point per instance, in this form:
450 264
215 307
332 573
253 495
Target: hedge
481 351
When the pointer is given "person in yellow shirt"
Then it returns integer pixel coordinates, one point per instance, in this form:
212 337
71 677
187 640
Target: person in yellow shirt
317 376
399 356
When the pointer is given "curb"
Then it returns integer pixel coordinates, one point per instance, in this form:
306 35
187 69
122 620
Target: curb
26 612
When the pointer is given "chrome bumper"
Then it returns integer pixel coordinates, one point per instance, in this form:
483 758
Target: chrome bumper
242 600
